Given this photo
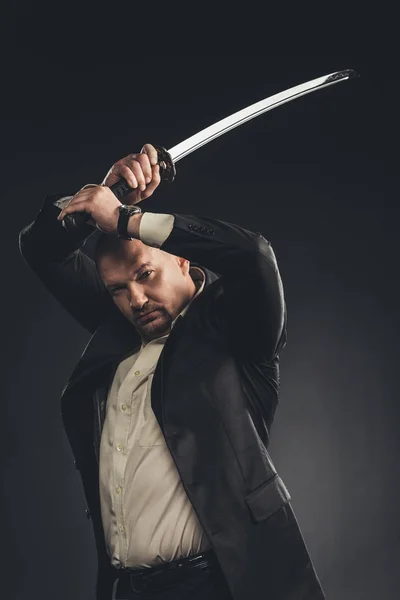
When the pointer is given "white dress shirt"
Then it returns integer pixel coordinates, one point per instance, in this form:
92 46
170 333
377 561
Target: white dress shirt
147 516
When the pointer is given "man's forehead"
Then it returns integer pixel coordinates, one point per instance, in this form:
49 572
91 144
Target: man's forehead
127 257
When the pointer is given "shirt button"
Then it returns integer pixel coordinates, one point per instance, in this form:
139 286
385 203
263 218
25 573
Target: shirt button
118 489
123 407
137 373
121 529
120 447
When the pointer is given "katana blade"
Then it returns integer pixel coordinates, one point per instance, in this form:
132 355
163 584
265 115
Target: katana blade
168 158
254 110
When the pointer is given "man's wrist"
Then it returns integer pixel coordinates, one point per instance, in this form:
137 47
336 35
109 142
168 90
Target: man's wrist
134 225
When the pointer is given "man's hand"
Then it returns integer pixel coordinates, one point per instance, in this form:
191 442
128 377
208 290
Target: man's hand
100 203
141 171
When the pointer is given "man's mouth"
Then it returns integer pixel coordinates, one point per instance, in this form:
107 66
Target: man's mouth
147 317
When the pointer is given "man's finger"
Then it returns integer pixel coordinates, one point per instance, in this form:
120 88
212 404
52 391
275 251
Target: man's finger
122 170
72 208
155 182
151 153
144 162
136 168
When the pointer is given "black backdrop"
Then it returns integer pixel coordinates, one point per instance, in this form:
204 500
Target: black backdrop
318 177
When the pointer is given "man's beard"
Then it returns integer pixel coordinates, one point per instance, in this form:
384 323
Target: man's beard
155 325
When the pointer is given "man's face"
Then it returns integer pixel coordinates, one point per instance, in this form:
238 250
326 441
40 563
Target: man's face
149 286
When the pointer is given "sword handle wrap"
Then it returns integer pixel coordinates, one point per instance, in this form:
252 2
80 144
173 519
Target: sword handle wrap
122 188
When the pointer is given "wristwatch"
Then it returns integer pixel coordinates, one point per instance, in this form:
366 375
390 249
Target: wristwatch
125 212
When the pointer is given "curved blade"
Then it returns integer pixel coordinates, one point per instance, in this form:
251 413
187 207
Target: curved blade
254 110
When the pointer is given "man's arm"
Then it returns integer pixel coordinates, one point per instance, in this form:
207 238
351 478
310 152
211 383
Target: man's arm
56 257
253 307
65 270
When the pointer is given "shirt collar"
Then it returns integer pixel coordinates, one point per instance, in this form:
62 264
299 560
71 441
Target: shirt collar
199 280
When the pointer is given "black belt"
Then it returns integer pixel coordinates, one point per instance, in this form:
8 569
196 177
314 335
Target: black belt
160 577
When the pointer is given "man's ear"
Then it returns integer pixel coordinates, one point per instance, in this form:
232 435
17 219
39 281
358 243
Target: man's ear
184 264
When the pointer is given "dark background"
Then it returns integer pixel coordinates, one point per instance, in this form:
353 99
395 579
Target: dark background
318 177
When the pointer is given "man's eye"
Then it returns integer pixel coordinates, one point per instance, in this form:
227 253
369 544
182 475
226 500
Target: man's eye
145 274
116 289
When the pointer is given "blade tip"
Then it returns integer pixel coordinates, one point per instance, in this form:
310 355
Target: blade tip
345 74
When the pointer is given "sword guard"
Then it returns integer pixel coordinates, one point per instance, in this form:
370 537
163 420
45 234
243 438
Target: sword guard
167 167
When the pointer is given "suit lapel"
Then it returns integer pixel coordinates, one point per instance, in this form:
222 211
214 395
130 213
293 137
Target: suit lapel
114 339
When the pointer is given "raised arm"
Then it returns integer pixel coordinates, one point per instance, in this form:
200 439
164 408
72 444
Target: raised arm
56 256
252 308
66 271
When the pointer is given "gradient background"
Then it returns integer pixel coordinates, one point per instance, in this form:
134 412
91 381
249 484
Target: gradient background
318 178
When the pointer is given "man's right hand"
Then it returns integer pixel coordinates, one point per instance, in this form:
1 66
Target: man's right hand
141 171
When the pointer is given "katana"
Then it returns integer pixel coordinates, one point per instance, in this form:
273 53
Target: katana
254 110
168 158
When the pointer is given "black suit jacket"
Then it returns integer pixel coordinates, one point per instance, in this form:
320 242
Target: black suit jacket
214 394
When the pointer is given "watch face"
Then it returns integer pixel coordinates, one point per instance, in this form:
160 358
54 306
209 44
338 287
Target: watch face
130 209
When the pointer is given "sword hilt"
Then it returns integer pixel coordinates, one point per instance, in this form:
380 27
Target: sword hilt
167 167
122 188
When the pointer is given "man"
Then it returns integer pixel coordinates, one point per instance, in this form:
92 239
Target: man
169 408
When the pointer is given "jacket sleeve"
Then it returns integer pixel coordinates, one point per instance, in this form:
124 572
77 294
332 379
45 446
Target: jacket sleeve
252 309
67 272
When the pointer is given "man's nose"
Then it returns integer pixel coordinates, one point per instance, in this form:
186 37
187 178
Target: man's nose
137 298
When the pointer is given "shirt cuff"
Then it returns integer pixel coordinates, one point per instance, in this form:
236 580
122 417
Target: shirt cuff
155 228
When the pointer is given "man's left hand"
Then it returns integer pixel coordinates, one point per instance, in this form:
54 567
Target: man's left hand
141 172
100 203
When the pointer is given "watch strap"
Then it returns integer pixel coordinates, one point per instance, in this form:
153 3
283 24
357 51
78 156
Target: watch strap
125 212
